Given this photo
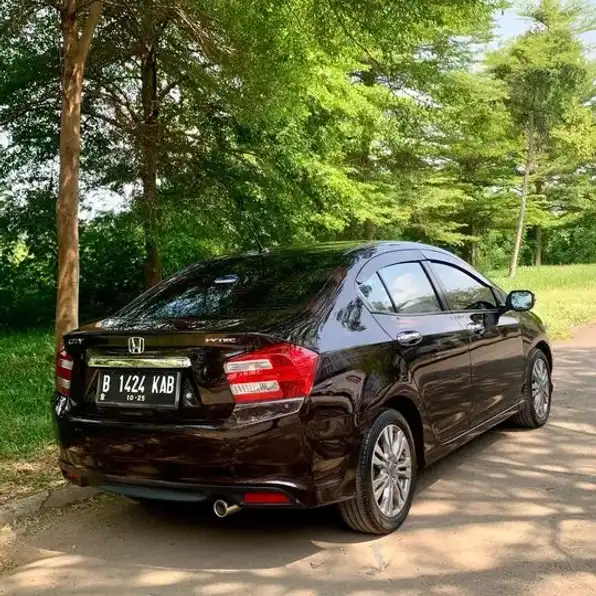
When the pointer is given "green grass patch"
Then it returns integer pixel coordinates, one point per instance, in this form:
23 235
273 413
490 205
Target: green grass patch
565 294
26 385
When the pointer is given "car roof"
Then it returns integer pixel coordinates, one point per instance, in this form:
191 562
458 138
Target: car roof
355 248
345 254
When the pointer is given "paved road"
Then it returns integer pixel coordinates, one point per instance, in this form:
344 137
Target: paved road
514 514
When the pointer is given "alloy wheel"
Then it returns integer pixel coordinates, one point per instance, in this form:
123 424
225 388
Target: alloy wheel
391 470
540 388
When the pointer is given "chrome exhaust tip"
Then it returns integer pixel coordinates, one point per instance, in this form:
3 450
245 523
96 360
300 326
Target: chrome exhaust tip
222 509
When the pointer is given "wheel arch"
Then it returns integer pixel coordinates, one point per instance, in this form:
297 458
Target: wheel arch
410 411
544 347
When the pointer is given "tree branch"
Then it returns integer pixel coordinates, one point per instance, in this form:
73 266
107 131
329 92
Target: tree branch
92 114
84 42
209 41
57 4
349 35
166 90
117 96
9 118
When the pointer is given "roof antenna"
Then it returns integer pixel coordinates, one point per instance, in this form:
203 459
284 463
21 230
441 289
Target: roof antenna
262 250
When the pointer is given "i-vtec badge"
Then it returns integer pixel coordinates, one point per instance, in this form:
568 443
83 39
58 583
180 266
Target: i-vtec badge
220 340
136 345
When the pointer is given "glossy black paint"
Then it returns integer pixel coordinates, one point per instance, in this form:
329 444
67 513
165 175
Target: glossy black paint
454 384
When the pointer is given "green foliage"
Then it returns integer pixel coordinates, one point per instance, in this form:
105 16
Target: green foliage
574 243
550 86
290 122
111 262
112 256
545 69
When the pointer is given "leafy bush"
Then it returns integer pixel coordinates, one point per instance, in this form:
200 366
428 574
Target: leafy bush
111 250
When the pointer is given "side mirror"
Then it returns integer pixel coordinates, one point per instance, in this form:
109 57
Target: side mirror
520 301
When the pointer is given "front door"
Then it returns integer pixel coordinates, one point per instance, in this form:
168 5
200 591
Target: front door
496 345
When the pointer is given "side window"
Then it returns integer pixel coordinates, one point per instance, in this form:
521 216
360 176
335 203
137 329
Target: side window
463 292
410 289
376 295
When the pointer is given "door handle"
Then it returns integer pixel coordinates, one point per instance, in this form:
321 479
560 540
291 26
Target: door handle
409 338
475 328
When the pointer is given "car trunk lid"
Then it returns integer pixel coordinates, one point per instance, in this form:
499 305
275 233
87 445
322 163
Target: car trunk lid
146 356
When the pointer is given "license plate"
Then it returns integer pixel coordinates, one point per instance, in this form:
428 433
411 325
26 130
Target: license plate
138 389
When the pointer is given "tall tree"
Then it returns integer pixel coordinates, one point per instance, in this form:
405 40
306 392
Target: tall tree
477 148
545 70
78 21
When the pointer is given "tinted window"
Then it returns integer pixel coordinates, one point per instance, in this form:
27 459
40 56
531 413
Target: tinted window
376 295
463 292
410 288
229 287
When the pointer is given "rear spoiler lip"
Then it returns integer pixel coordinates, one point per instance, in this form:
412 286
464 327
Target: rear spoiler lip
168 349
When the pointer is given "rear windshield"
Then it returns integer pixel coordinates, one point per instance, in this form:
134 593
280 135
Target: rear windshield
229 287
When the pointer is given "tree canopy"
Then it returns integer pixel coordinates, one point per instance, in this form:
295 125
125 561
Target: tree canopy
220 125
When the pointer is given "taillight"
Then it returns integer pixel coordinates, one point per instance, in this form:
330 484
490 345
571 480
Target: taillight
280 371
64 364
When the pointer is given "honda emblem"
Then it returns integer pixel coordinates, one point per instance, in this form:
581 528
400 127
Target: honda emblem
136 345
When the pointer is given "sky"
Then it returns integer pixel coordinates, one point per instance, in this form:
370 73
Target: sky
510 24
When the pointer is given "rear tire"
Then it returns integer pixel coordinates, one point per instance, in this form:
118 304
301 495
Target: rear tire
538 392
392 471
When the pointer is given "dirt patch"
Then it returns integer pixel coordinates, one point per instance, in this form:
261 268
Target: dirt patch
24 477
8 540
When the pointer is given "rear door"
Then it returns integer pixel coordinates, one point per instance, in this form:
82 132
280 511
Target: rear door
496 345
429 343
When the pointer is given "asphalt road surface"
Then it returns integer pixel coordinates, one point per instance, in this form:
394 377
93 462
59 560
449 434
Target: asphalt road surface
513 513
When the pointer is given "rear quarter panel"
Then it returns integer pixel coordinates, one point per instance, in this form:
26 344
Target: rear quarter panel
360 373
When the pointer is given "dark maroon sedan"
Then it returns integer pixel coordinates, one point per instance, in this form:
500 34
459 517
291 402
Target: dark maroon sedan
299 377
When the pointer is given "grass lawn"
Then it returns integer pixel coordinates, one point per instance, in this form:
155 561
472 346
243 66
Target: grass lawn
565 294
27 458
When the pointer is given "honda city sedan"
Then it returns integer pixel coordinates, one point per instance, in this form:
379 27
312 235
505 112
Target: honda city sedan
299 377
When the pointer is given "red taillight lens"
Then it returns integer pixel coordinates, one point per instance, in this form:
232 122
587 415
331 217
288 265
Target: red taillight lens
281 371
266 499
64 364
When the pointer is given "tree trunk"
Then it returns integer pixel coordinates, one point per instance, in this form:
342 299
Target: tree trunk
473 246
539 240
474 254
153 266
149 142
368 77
370 229
538 250
524 198
75 52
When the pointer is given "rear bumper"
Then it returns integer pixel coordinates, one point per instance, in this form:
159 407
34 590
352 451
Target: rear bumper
254 451
163 490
